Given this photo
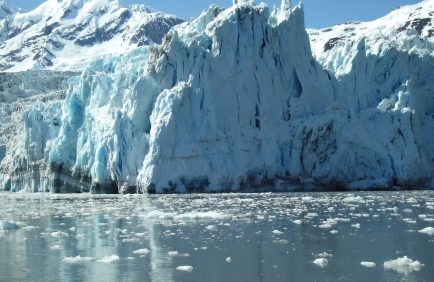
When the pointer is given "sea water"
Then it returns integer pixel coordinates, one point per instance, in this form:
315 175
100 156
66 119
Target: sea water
371 236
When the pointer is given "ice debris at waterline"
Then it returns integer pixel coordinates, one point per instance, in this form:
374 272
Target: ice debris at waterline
7 225
230 101
403 265
124 232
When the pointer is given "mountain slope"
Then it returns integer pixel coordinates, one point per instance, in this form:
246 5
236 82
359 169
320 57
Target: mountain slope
408 29
68 34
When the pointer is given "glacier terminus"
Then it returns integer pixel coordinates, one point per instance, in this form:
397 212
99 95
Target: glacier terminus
238 99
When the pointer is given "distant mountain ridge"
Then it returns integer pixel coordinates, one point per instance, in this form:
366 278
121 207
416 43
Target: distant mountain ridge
408 28
69 34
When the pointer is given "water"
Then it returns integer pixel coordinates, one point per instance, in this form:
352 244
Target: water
229 237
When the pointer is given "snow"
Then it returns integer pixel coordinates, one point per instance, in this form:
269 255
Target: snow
403 265
368 264
427 231
336 47
321 262
185 268
51 35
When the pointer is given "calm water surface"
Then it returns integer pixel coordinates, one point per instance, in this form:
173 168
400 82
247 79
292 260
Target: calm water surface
229 237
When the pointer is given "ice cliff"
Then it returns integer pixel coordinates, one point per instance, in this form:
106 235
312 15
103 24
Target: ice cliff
234 100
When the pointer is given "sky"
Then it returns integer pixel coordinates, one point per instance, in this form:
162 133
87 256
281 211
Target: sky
318 13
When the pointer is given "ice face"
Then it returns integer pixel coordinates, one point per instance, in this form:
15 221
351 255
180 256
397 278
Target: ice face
128 120
234 100
30 114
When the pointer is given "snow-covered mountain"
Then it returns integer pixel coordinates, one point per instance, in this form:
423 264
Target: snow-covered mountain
69 34
235 100
5 10
408 29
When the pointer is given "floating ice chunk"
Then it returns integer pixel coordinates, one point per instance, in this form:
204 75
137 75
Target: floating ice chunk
357 225
409 220
325 255
321 262
78 260
428 231
141 252
334 232
329 223
403 265
211 228
228 259
354 199
199 215
185 268
59 234
80 237
281 241
109 259
56 248
297 221
368 264
10 225
173 253
131 240
277 232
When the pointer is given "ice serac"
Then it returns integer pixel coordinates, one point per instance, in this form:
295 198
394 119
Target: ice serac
238 93
383 71
210 109
30 116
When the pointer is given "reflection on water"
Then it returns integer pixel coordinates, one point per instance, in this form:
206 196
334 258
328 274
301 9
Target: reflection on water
229 237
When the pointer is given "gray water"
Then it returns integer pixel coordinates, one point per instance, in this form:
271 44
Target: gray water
229 237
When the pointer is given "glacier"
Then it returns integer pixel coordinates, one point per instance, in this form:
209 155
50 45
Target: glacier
236 100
